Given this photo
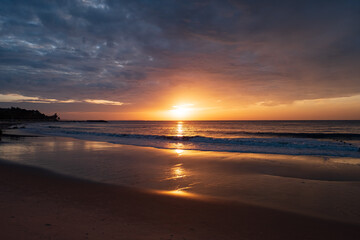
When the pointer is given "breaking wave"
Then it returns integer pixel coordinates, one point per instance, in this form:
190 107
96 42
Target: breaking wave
273 143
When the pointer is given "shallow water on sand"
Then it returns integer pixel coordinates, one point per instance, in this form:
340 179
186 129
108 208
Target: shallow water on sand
322 186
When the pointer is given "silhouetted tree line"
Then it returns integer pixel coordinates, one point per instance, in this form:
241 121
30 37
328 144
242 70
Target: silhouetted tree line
23 114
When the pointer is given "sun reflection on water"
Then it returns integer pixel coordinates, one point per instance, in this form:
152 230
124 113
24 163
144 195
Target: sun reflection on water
177 172
179 151
179 129
180 193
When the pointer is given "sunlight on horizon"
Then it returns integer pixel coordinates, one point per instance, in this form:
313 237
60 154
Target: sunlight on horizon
181 112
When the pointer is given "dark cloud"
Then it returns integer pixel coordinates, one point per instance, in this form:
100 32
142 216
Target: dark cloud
130 51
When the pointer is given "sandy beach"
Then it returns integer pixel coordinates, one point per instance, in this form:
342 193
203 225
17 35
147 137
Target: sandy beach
38 204
308 200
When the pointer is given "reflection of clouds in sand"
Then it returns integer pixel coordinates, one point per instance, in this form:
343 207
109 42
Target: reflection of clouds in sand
14 152
351 161
68 145
92 145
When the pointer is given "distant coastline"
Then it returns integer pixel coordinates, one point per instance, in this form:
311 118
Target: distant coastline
18 114
14 116
88 121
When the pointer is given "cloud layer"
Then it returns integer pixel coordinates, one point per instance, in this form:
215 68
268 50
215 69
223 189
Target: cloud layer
135 51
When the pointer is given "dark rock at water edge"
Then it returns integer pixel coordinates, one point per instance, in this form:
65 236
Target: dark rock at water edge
16 114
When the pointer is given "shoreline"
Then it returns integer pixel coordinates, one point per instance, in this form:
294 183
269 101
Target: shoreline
276 145
39 204
19 133
312 186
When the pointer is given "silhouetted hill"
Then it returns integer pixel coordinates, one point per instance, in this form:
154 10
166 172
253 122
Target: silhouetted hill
23 114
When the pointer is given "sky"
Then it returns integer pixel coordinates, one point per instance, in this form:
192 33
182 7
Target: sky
182 60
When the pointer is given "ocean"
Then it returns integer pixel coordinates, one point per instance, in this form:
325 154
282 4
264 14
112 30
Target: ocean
318 138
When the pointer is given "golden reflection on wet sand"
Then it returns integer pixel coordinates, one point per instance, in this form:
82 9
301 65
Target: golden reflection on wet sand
93 145
15 152
177 171
179 151
180 193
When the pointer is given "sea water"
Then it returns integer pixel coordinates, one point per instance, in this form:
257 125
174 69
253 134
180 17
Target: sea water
319 138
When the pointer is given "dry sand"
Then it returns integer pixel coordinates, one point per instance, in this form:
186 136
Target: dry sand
39 204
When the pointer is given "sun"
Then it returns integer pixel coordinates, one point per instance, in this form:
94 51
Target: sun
181 111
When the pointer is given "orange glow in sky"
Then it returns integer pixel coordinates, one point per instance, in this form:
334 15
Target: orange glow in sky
316 109
223 61
181 112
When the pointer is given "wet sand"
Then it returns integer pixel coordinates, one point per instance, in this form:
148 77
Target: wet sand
39 204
